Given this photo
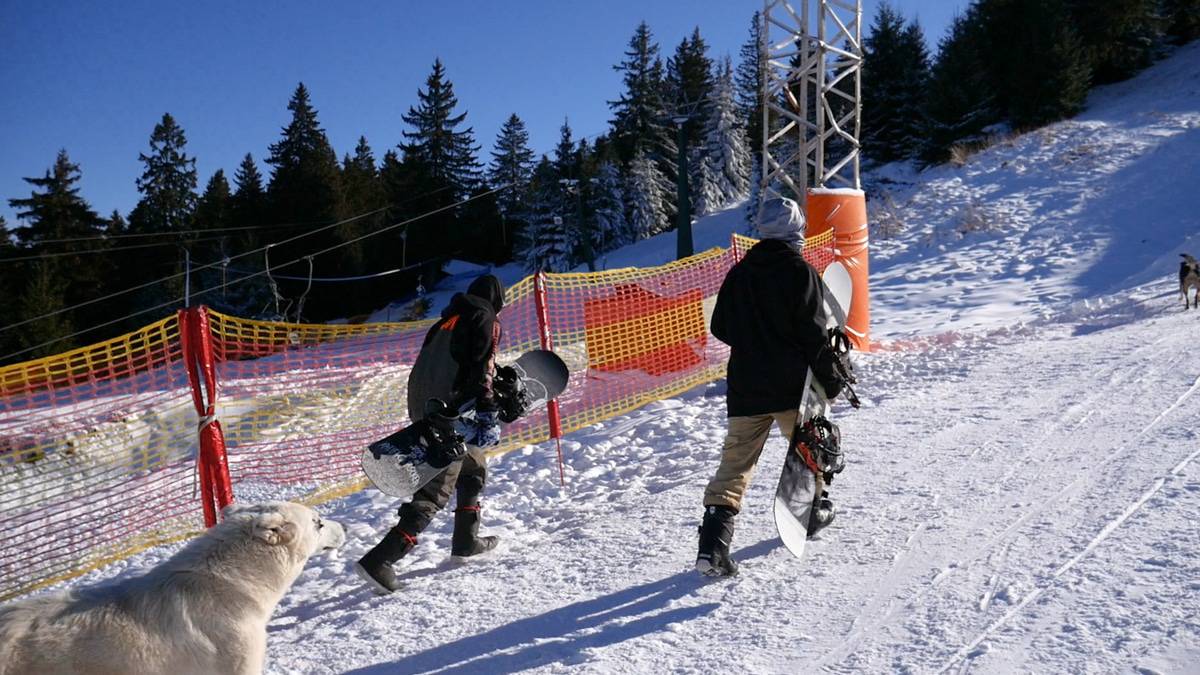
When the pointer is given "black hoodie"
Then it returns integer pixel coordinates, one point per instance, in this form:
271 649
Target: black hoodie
769 311
457 358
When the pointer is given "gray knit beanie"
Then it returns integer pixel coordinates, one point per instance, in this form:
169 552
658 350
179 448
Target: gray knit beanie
781 218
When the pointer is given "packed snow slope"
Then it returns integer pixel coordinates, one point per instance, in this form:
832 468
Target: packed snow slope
1023 480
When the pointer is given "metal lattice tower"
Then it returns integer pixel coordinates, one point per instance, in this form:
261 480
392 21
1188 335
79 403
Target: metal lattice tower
812 93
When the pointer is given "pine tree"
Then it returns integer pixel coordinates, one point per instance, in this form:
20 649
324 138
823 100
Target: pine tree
726 154
304 187
213 217
755 192
168 183
961 101
512 165
751 73
55 211
249 204
690 83
568 167
637 124
647 191
214 212
566 160
1050 80
44 292
608 205
1182 19
546 244
116 224
896 77
1119 37
362 193
439 160
305 190
436 141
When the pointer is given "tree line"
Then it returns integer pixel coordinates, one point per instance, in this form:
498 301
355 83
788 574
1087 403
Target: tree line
318 237
1003 64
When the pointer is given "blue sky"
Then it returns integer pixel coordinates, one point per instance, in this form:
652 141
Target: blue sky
94 78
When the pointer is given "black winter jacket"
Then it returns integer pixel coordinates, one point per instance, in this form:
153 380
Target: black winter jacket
770 312
457 358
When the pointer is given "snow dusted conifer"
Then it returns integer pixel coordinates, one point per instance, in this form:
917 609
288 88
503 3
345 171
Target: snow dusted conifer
545 244
512 165
707 195
754 190
608 205
647 193
726 154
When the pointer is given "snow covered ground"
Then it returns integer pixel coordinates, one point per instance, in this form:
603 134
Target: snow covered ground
1023 480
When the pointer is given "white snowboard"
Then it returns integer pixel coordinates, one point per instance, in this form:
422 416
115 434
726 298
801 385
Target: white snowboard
797 483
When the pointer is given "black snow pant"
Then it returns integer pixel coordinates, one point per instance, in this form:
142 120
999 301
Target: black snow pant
466 476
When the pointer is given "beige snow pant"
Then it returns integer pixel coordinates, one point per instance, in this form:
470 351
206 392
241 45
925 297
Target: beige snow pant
743 444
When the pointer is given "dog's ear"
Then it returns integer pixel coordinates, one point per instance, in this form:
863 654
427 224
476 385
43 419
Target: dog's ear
274 530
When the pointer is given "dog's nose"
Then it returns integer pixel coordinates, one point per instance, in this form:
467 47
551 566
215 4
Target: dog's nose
336 535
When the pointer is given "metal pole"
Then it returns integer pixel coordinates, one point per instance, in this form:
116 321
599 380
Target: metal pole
683 239
187 278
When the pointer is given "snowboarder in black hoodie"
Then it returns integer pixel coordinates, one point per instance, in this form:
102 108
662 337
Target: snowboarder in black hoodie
456 365
770 312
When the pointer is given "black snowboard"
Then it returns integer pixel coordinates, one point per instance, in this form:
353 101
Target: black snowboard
402 463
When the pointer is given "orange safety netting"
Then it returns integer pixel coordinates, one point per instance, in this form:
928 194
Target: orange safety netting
98 447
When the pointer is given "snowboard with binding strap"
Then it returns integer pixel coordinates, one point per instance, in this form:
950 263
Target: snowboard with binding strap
814 449
405 461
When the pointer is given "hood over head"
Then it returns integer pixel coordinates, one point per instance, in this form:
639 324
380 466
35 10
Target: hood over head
489 288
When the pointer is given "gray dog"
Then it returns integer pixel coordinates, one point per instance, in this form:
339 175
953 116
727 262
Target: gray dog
1189 278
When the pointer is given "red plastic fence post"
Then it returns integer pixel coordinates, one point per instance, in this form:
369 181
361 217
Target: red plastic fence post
212 465
543 319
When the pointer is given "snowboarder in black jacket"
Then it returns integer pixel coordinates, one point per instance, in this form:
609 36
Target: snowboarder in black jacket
456 365
770 312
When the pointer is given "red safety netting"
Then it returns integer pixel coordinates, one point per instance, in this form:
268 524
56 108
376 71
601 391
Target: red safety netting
99 447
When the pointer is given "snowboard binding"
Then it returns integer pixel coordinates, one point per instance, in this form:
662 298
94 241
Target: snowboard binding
839 349
436 438
819 444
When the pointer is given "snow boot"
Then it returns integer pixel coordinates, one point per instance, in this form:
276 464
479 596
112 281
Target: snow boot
716 534
466 541
375 567
821 515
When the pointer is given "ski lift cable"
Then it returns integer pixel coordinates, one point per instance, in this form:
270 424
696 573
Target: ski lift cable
393 226
62 254
174 276
242 228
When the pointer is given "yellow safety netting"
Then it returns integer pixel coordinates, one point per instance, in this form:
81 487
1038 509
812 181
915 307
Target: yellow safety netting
98 445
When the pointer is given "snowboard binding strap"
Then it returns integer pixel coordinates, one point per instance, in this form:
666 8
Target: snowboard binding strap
819 443
839 345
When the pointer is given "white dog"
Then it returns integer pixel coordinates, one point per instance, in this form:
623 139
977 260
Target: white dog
203 611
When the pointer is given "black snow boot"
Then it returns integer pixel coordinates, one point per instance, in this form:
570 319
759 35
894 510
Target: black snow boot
716 533
466 541
821 515
375 567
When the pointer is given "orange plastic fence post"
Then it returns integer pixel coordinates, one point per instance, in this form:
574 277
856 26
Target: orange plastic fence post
844 210
212 464
543 319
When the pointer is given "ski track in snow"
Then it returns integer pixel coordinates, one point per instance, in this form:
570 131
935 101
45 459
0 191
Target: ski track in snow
1021 490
